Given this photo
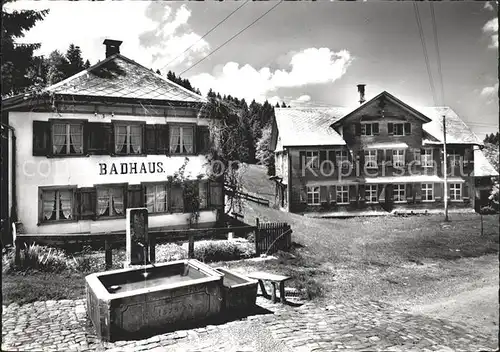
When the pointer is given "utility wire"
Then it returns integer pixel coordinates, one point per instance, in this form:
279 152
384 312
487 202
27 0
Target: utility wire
234 36
434 27
426 56
210 31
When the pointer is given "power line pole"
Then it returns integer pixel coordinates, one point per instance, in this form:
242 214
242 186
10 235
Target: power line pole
445 166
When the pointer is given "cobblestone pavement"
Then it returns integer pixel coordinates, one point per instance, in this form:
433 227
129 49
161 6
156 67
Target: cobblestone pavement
369 326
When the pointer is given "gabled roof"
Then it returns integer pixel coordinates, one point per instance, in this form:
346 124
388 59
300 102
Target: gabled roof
482 167
391 98
308 126
120 77
457 132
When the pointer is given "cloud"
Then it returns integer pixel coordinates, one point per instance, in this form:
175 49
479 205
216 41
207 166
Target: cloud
490 91
491 28
152 33
309 66
488 6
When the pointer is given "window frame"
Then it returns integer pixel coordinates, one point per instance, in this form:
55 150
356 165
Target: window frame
52 122
424 192
400 161
145 186
339 189
313 191
396 189
369 194
128 140
371 161
424 162
453 190
181 128
57 189
394 124
315 159
108 186
364 128
341 161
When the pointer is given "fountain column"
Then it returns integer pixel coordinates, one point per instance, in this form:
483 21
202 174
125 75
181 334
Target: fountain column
137 239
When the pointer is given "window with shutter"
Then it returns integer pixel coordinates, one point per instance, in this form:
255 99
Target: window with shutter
150 139
407 129
216 194
98 137
390 128
41 138
57 204
128 138
134 196
203 193
87 203
332 195
203 140
176 199
162 139
323 192
375 128
302 159
67 138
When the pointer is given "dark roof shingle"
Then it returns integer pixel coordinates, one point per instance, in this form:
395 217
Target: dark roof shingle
120 77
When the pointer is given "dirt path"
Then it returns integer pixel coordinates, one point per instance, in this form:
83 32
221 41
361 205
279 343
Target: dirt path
476 307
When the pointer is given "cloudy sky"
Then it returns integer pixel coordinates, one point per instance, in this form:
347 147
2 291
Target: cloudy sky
303 53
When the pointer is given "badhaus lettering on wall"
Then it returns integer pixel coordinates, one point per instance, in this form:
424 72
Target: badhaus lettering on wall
133 168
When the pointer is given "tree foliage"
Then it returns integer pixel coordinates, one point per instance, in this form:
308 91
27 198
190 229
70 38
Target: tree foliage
492 138
18 71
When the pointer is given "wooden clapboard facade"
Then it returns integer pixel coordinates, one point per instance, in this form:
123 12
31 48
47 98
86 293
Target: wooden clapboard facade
379 157
106 139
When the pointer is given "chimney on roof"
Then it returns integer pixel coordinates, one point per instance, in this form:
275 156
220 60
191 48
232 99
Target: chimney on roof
361 91
112 46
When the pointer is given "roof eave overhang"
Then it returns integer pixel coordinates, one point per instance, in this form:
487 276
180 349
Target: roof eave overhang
390 97
33 101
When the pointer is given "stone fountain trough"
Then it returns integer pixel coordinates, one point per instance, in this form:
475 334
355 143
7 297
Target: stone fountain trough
133 301
239 292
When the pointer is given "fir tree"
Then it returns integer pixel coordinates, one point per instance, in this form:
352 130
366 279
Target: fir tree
74 59
17 59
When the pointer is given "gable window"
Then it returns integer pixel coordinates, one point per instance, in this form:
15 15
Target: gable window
57 205
110 201
369 129
312 159
427 160
156 198
371 159
398 157
67 138
181 139
455 191
399 193
342 158
313 195
399 129
128 139
371 193
427 192
342 194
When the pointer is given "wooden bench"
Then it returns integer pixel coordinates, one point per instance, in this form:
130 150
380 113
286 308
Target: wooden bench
274 279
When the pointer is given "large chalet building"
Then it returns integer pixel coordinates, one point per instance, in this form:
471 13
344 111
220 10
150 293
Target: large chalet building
106 139
383 156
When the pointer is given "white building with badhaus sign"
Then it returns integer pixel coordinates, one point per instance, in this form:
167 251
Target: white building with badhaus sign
102 141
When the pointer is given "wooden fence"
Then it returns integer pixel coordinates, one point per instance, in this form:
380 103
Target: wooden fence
114 240
271 237
231 191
